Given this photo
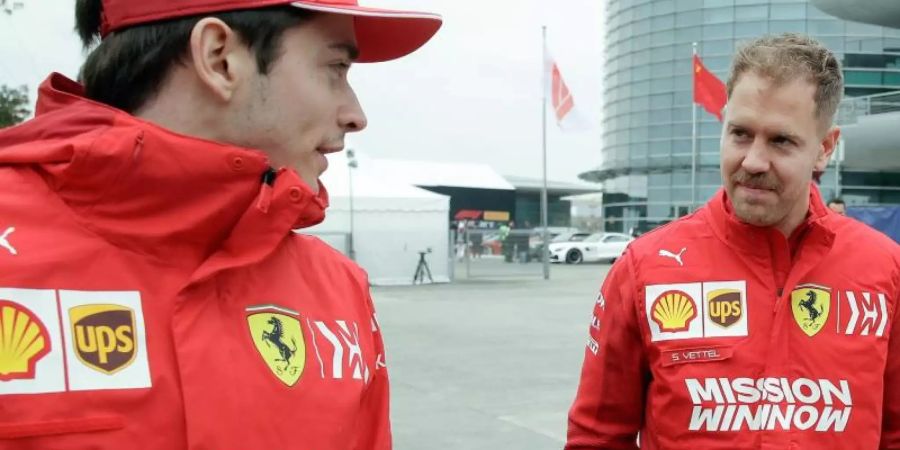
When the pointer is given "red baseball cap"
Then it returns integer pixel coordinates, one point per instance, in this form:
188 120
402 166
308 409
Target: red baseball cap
381 34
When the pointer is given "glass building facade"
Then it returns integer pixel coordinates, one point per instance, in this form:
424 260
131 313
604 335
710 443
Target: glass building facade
647 145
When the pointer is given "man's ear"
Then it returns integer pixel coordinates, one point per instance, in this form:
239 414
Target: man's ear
219 58
827 147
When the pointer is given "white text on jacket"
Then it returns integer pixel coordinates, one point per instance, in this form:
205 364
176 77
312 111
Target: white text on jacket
735 404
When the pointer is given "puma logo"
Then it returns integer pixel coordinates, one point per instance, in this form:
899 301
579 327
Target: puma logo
676 257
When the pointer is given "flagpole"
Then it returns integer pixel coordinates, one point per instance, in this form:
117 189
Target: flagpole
545 235
693 130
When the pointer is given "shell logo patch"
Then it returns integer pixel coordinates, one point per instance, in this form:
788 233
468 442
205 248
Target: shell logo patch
65 341
811 304
23 341
104 336
674 310
278 337
705 309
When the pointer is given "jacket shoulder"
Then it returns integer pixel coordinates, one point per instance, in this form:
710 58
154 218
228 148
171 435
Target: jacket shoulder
673 236
858 237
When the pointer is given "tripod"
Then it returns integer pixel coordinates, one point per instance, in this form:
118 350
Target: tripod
422 269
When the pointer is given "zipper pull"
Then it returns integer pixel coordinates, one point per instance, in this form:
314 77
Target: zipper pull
264 199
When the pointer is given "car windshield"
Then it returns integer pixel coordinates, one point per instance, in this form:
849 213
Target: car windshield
594 238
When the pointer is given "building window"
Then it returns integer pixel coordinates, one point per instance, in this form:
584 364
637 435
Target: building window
663 22
750 29
862 77
661 132
660 148
720 47
717 3
786 12
756 12
691 34
826 27
787 26
718 15
684 5
689 18
663 7
721 31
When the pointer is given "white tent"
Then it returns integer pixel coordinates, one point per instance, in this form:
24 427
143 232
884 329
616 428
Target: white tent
392 222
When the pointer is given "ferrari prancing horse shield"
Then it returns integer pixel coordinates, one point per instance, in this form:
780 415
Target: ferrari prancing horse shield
810 304
278 336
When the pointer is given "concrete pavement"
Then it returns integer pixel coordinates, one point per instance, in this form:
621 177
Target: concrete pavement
482 364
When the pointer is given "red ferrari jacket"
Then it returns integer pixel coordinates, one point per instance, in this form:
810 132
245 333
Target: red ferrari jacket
713 334
153 295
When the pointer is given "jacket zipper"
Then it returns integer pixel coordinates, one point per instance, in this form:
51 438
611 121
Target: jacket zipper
264 199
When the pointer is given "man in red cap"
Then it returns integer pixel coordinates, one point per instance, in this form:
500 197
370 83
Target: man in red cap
153 294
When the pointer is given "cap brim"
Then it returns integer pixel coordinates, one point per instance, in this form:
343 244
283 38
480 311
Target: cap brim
382 34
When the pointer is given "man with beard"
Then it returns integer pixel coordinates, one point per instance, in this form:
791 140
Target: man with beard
761 320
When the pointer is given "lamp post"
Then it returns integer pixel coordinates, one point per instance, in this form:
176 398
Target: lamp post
351 164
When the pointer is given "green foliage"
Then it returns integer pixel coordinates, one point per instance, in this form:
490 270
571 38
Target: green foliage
13 105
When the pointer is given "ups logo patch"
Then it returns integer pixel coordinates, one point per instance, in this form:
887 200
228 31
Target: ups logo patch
103 336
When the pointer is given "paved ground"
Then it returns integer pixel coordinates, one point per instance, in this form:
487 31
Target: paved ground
486 364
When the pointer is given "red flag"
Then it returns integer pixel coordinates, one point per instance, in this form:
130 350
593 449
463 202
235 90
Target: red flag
561 98
709 91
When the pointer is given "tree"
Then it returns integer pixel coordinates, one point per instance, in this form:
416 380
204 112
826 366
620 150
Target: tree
13 105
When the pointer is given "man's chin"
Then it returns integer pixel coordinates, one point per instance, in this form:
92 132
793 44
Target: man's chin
756 215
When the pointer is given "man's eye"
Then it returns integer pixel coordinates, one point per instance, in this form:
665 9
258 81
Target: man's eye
782 141
739 133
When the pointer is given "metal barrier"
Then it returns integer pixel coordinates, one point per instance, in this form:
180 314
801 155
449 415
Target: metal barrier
851 109
482 254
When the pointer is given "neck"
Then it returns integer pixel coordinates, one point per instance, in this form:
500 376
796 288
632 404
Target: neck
181 110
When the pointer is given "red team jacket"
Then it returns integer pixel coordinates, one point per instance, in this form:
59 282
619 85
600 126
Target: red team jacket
710 334
153 295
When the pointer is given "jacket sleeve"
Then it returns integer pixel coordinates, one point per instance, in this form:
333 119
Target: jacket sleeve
374 426
609 406
890 430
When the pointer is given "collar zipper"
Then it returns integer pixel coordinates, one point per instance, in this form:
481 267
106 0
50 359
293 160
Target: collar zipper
264 199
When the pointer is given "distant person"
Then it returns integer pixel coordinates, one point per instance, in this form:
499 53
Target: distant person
154 294
461 240
506 246
762 320
837 205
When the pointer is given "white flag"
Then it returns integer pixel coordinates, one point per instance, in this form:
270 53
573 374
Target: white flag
567 115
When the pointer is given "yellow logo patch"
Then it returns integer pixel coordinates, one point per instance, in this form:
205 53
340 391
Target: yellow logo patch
810 304
673 311
278 336
23 341
103 336
724 307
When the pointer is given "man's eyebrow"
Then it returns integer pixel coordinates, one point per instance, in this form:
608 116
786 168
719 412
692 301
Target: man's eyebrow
351 49
788 135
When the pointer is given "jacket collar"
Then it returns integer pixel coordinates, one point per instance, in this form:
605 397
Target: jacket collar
151 190
753 239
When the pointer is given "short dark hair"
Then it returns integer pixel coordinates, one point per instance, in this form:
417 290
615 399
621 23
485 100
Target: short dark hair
789 56
836 200
128 66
